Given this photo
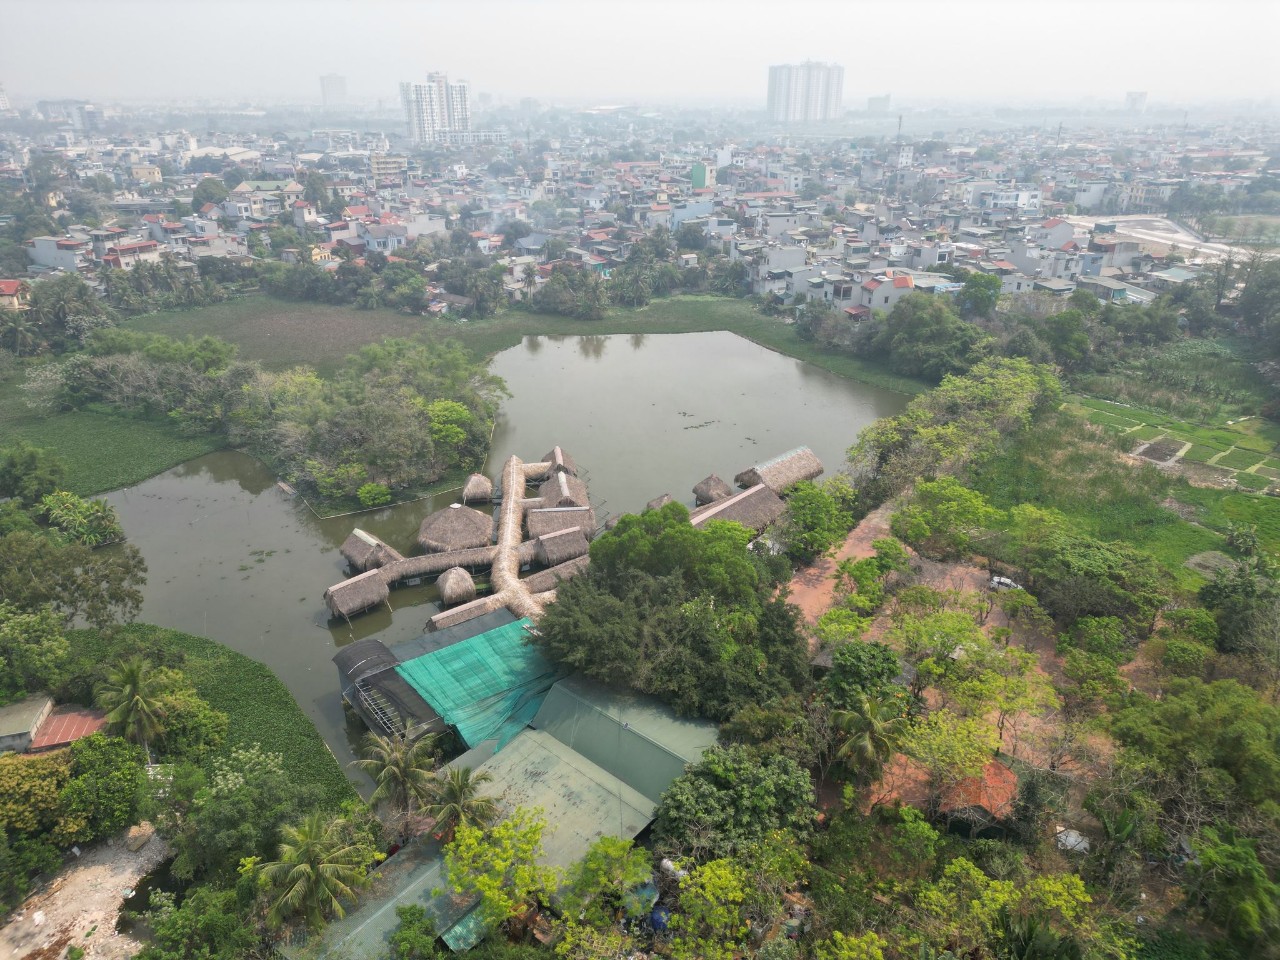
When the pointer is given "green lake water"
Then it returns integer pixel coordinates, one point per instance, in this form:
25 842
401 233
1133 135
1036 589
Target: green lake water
233 558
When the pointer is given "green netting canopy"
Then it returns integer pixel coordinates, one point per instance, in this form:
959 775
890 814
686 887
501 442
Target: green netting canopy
487 687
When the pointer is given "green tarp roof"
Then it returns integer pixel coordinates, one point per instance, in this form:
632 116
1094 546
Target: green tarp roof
487 687
634 738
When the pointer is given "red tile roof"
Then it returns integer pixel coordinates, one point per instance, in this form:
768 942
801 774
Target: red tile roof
994 792
65 725
10 288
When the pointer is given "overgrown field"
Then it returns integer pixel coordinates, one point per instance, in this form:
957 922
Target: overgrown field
101 451
1066 465
259 707
1200 381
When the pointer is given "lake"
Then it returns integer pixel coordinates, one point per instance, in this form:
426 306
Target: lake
232 558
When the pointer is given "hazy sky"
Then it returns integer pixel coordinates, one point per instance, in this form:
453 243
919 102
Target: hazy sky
696 51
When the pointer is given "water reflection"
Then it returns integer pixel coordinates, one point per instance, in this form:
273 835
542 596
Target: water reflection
592 347
234 558
637 340
533 343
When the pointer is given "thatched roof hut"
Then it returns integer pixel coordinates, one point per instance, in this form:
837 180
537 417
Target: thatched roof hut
456 586
551 519
455 528
657 503
477 489
712 489
549 579
782 471
564 490
357 595
560 462
561 547
755 509
363 551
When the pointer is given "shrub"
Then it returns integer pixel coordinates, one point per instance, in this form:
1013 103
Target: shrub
374 494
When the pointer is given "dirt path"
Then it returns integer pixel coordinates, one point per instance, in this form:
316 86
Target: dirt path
813 587
80 906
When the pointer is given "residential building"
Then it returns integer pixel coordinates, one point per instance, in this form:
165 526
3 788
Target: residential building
436 109
805 92
383 166
59 253
333 91
14 294
703 175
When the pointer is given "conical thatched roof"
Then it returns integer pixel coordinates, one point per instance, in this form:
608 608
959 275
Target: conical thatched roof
455 528
560 461
357 594
712 489
477 489
755 509
657 503
456 586
543 521
558 548
363 551
782 471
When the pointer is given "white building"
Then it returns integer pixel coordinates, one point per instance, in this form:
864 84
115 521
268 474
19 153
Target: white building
436 109
800 92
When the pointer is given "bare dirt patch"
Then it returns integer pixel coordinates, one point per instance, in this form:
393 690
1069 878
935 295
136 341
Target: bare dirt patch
813 587
1162 450
80 906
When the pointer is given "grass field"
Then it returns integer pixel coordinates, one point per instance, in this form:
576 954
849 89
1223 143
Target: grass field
259 707
101 451
1239 445
281 334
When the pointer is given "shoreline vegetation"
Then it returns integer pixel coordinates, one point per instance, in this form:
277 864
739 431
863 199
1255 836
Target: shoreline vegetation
279 334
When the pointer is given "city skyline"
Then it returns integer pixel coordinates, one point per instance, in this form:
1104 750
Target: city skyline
1060 62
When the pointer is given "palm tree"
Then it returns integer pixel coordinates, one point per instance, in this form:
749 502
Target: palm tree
18 332
318 867
131 695
530 278
402 771
456 799
873 729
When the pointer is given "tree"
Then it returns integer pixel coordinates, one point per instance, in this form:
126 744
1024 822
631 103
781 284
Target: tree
131 694
1232 887
210 190
401 770
922 338
730 800
100 586
979 296
859 670
870 733
711 922
950 748
866 946
944 519
319 866
28 473
818 517
101 796
456 801
500 865
33 651
595 887
18 333
415 937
